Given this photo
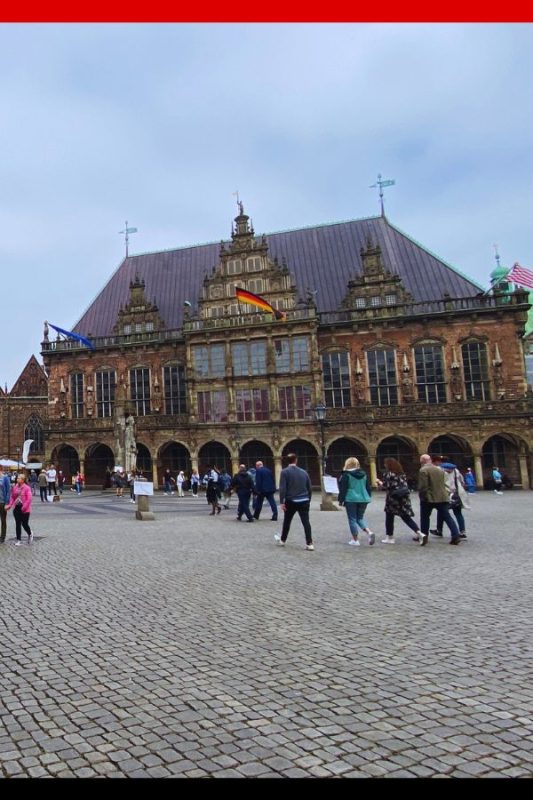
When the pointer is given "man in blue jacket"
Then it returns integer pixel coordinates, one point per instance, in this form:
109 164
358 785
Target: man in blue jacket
265 486
295 497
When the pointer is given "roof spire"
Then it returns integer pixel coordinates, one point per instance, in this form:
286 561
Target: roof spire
382 184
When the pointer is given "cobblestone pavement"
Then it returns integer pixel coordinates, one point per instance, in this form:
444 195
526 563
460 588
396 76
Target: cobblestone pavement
193 646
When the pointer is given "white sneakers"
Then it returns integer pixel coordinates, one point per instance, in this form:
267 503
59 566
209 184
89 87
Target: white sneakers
309 547
371 537
388 540
277 538
18 543
355 542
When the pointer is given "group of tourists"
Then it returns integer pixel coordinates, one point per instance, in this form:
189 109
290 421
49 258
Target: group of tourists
252 486
182 483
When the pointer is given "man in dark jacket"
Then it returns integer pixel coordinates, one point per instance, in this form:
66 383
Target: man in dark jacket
5 494
243 484
265 486
295 497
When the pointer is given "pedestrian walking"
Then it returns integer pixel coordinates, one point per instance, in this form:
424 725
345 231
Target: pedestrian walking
213 490
169 482
120 482
60 480
78 482
243 485
497 480
225 480
265 486
397 500
295 498
33 482
179 482
470 481
51 475
434 495
355 493
5 494
458 498
195 482
20 502
43 485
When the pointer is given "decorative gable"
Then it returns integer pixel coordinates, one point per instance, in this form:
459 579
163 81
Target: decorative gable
376 287
245 264
139 315
32 381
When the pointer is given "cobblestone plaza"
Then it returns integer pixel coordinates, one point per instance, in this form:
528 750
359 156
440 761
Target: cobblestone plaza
193 646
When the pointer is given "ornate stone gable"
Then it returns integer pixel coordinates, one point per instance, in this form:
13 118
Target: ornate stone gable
32 381
245 264
376 287
139 315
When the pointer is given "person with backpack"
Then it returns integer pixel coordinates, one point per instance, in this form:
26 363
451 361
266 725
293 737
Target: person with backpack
355 493
225 485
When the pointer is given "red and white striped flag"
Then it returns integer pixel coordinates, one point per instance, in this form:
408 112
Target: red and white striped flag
521 275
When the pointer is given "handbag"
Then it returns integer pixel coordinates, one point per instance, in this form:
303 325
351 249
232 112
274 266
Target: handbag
400 493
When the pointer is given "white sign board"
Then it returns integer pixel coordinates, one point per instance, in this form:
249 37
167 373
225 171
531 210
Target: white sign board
143 487
330 484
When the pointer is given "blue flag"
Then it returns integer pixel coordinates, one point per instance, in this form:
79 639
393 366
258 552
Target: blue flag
76 336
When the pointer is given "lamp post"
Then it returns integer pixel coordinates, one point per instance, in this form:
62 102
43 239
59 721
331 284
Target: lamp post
320 416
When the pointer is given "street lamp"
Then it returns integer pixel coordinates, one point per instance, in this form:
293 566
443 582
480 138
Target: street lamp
320 416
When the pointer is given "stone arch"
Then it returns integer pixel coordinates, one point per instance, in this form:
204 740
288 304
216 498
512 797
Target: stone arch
452 448
342 448
98 457
66 458
144 460
308 458
255 450
214 454
503 450
175 457
404 450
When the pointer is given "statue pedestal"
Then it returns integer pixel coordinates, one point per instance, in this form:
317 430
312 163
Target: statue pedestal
143 512
327 503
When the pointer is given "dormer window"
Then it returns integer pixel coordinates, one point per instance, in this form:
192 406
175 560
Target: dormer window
127 330
253 264
390 299
360 302
234 266
375 301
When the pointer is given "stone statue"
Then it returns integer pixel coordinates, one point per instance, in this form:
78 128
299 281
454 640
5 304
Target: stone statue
46 331
130 445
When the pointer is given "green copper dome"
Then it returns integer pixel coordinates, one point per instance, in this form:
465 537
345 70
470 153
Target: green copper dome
498 274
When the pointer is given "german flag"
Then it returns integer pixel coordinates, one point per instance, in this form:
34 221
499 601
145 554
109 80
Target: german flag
243 296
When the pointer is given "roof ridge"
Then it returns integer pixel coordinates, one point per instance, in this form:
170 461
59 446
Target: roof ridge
431 253
97 295
266 233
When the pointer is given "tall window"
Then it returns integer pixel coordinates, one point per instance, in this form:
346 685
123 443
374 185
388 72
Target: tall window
34 430
382 377
212 407
476 371
336 371
295 402
209 361
76 395
292 355
105 393
140 390
175 390
234 266
249 358
429 366
252 405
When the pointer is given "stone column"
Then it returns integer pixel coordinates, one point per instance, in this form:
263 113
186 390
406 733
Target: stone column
524 473
373 470
234 465
154 473
277 469
478 469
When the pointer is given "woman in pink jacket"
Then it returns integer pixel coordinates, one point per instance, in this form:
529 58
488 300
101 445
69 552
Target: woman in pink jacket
20 502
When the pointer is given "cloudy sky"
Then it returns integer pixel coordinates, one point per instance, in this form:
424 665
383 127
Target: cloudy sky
159 124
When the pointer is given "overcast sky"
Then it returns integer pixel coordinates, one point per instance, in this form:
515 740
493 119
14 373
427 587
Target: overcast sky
159 124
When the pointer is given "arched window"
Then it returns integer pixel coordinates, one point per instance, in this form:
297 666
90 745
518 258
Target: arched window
34 430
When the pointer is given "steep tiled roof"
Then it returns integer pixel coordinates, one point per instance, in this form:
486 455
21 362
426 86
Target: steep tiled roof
323 257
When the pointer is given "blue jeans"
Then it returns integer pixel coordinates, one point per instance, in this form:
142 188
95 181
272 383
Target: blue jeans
458 514
354 512
443 512
244 505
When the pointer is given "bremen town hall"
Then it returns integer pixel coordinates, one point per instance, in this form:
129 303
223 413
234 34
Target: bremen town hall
382 349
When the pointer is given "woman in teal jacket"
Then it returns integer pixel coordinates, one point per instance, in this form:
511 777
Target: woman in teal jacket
355 495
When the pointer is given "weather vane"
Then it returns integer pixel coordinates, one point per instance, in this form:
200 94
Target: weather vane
126 233
496 254
382 184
